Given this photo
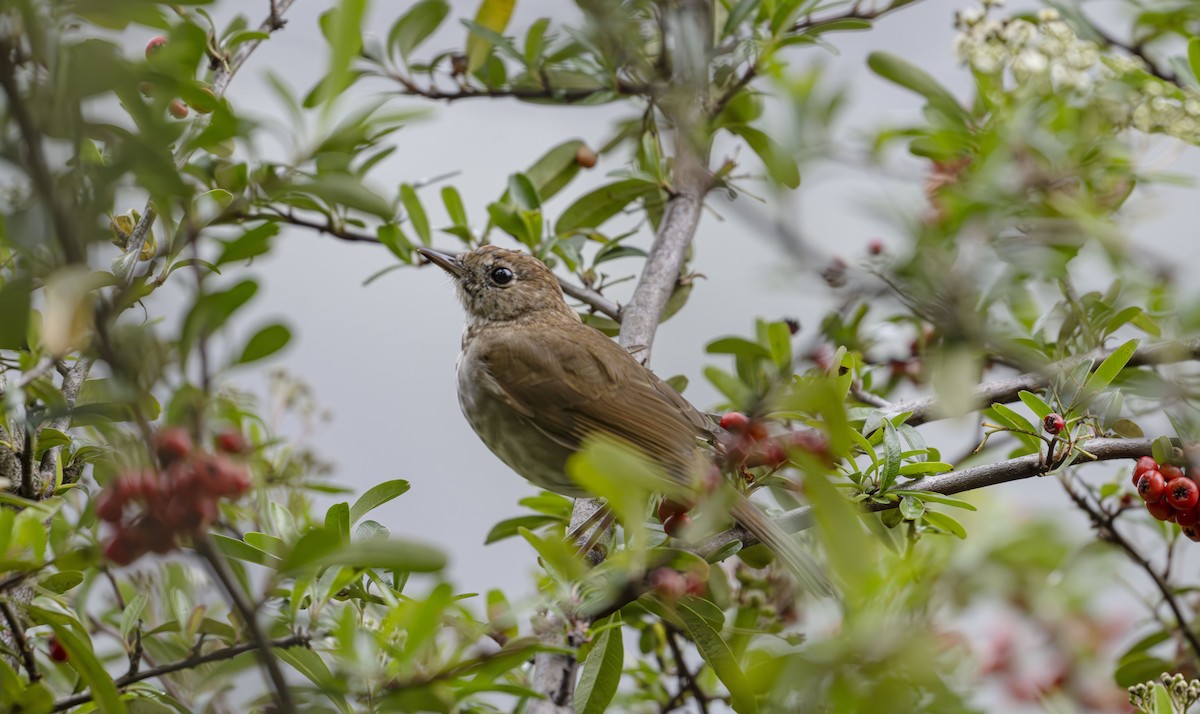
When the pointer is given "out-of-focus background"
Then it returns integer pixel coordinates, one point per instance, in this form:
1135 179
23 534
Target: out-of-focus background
380 358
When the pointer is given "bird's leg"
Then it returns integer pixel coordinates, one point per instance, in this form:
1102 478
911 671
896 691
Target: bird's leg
586 534
593 549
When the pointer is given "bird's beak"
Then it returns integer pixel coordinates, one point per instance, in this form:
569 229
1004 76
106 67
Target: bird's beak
445 261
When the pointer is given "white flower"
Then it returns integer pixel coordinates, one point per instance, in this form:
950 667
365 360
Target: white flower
1018 33
992 3
1047 14
1031 61
970 16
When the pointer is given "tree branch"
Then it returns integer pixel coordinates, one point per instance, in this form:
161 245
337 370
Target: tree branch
1106 530
283 696
18 635
189 663
587 296
1007 390
563 96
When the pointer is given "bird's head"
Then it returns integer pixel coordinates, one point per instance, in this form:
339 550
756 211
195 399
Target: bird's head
501 285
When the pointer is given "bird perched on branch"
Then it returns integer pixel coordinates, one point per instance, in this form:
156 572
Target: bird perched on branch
535 383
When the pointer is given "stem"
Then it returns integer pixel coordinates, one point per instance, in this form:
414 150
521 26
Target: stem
216 561
19 638
189 663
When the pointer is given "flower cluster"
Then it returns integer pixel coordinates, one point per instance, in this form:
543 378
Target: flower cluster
1046 56
1183 693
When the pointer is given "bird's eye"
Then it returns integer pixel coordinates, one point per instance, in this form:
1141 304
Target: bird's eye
502 276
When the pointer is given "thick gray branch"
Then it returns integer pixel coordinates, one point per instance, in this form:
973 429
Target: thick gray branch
958 481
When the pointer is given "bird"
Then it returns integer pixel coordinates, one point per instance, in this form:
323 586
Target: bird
535 383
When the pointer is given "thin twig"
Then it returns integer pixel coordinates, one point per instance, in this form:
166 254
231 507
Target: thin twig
1107 531
216 561
189 663
687 680
22 642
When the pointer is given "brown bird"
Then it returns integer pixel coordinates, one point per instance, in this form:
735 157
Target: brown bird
534 382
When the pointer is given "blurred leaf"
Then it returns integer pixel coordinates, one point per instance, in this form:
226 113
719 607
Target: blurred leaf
310 664
14 305
376 496
718 656
393 554
522 191
1139 668
82 657
1193 53
241 550
251 244
344 190
738 346
904 73
1110 367
945 523
738 14
265 343
512 526
779 163
345 40
493 15
416 213
557 557
61 581
416 25
594 208
555 169
133 613
601 673
394 239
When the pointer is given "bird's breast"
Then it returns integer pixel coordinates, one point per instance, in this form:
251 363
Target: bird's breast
510 435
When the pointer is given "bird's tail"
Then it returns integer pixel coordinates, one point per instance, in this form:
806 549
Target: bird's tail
799 562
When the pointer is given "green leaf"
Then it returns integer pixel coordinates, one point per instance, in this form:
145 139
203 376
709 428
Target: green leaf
779 337
925 467
310 664
601 672
394 240
1019 424
494 15
555 169
61 581
344 190
909 76
738 346
454 206
522 191
241 550
416 25
512 526
943 522
891 455
1139 668
265 343
345 40
376 496
83 659
393 554
133 613
780 165
416 213
14 306
738 14
556 556
1036 404
1110 367
594 208
252 243
934 498
717 654
1162 700
912 507
337 520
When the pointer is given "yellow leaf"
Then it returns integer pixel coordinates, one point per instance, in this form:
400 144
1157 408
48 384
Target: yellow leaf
494 15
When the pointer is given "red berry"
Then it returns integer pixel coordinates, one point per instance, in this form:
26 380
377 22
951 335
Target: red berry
677 524
667 584
58 653
1161 511
109 507
177 109
696 585
1192 533
735 421
1053 424
1151 486
1182 493
875 247
173 443
585 157
757 431
668 508
1170 472
1190 517
124 547
154 44
1143 465
767 454
231 442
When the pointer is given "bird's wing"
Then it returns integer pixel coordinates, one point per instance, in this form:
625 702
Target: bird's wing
572 382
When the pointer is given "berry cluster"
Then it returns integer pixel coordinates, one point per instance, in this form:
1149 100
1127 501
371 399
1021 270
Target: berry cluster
750 444
1169 493
671 584
153 509
176 107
